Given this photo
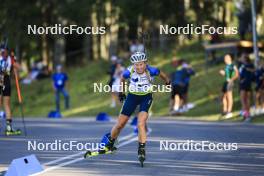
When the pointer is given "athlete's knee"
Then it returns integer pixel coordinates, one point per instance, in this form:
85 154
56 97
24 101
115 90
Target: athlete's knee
141 123
6 103
120 126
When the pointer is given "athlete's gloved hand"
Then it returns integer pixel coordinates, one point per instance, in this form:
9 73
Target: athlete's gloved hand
168 82
121 96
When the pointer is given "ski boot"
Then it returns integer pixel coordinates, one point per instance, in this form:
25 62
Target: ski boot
108 144
107 149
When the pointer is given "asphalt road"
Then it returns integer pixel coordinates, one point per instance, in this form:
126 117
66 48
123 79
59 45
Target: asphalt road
245 159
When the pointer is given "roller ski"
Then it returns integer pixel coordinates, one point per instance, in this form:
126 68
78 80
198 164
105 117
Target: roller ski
141 154
90 153
10 131
108 148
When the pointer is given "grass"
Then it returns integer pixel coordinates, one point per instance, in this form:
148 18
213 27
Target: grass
205 89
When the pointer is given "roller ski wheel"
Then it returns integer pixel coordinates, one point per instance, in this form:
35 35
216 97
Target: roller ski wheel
16 132
141 157
141 161
90 153
109 147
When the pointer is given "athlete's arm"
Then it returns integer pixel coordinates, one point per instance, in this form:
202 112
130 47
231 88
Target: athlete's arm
126 75
122 95
164 77
156 72
123 82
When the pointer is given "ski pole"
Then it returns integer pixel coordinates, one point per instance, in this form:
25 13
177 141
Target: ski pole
20 101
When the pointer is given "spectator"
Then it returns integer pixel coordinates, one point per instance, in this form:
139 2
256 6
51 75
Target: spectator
188 72
59 83
246 73
259 89
177 81
230 74
112 70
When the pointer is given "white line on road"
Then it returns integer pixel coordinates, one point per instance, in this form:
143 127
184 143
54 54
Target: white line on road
81 153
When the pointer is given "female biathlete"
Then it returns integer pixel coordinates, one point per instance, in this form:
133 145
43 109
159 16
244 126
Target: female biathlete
140 76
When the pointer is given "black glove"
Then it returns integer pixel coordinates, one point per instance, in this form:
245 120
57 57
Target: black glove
168 83
121 96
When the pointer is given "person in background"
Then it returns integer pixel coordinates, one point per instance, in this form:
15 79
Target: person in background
133 47
246 78
140 47
136 46
116 83
38 71
230 73
111 72
59 83
259 97
44 73
7 64
188 72
177 82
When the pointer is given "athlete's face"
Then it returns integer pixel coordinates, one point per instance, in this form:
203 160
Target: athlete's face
140 67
